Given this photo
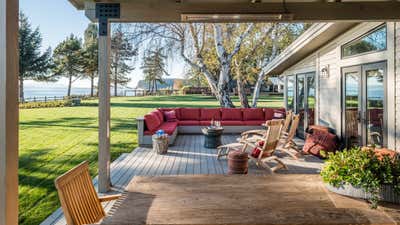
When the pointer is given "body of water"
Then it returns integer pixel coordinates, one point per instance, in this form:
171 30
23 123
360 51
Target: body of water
31 92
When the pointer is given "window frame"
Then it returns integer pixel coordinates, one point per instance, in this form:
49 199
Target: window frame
361 37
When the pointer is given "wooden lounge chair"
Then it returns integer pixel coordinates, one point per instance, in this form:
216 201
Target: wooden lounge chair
286 143
252 135
78 198
268 145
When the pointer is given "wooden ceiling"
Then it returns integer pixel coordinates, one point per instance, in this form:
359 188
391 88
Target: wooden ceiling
301 10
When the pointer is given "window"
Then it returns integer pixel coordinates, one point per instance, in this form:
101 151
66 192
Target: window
373 41
290 93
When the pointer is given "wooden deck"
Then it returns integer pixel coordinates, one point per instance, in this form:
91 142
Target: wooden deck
187 157
284 199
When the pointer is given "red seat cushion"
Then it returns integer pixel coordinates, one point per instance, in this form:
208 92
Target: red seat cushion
209 114
190 114
188 123
232 123
168 127
205 123
152 122
253 114
159 114
231 114
269 114
253 122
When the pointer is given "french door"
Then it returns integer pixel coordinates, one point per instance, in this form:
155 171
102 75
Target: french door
305 101
364 105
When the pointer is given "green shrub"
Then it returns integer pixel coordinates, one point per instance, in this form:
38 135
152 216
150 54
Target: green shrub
50 104
362 168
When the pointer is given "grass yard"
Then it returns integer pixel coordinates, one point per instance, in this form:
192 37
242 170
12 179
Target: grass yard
53 140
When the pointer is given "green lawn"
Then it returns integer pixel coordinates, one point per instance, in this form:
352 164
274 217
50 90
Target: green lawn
53 140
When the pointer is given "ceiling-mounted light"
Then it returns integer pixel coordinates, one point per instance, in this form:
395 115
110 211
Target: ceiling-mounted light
193 17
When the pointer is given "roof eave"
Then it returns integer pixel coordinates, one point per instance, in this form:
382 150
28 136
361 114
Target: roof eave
310 41
78 4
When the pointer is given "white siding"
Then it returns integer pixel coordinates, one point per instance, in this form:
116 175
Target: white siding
328 111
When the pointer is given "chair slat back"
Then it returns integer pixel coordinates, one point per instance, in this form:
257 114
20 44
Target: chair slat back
288 119
78 197
294 126
272 136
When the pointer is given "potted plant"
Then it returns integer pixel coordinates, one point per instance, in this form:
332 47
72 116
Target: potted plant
361 173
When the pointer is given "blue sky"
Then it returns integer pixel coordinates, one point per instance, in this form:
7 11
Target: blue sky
56 20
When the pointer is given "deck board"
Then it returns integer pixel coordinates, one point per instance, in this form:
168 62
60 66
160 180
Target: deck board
187 157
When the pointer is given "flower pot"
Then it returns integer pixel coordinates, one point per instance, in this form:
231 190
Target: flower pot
386 194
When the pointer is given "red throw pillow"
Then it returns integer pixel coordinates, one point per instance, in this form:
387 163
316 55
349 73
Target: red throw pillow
152 122
170 116
320 141
256 152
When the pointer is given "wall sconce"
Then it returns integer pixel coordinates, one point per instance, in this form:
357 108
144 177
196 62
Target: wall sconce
324 72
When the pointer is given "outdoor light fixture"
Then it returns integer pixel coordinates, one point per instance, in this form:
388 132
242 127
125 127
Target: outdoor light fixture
236 17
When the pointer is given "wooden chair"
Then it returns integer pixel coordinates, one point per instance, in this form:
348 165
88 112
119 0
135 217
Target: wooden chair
270 141
78 198
286 142
269 144
252 135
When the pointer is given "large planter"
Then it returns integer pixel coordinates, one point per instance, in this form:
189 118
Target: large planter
387 193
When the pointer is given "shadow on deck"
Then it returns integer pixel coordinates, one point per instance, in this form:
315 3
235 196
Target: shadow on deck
186 157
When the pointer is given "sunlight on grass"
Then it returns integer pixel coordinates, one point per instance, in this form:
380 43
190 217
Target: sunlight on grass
53 140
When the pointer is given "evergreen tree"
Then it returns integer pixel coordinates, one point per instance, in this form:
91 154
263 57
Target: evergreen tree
33 65
153 69
90 55
122 52
67 58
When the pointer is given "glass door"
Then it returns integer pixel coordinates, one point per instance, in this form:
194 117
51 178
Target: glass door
305 101
364 105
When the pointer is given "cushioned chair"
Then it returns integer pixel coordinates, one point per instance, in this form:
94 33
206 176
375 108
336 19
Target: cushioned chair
78 198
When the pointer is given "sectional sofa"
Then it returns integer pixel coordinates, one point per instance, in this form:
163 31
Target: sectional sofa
191 120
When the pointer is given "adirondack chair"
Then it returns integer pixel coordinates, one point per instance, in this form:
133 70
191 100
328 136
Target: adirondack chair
253 135
286 142
265 145
78 198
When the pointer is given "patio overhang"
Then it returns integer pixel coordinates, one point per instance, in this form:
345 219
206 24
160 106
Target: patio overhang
251 10
315 36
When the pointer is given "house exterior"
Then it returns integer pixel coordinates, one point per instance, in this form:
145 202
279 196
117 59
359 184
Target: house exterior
346 76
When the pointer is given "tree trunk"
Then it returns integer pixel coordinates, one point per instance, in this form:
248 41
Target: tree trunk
223 86
21 89
69 86
244 102
92 85
257 89
116 82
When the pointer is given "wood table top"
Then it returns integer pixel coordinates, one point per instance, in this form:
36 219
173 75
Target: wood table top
241 199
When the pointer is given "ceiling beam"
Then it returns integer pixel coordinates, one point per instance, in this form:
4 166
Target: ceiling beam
170 11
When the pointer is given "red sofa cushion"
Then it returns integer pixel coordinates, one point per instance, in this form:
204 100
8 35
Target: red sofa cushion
231 114
190 114
188 123
232 123
209 114
168 127
269 114
159 114
170 116
253 114
320 141
152 122
253 122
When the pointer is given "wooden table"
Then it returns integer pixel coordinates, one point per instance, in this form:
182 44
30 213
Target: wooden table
241 199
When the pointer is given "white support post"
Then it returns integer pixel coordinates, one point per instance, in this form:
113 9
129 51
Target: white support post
9 112
104 183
